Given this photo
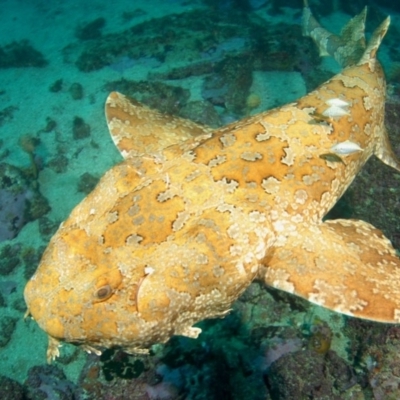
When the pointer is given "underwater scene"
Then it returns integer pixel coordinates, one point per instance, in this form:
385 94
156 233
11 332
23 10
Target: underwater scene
200 200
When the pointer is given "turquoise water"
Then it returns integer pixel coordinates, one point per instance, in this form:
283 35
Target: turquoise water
209 61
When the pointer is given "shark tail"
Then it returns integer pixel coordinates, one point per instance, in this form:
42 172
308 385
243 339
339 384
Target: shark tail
350 48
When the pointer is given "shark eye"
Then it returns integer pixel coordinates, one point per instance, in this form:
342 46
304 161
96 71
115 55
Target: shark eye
104 292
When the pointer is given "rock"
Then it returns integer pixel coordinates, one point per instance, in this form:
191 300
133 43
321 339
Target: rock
9 258
50 382
56 86
7 327
20 201
201 112
86 183
307 374
80 128
10 389
76 91
21 54
91 30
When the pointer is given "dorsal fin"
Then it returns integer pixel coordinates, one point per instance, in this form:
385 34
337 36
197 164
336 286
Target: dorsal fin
383 148
347 48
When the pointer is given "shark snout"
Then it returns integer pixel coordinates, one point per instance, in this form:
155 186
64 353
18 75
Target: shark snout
40 308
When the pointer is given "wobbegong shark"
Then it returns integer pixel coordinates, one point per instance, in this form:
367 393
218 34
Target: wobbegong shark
177 231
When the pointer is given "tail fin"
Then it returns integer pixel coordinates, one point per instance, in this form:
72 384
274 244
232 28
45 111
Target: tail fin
348 48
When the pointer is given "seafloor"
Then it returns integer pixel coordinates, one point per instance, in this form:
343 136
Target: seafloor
213 61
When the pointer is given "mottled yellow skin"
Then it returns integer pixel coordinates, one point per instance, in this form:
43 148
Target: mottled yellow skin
177 231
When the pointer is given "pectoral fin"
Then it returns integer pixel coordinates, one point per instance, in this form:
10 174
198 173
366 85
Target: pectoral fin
138 130
345 265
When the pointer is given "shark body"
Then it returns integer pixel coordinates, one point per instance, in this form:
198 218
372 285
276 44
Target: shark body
176 232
